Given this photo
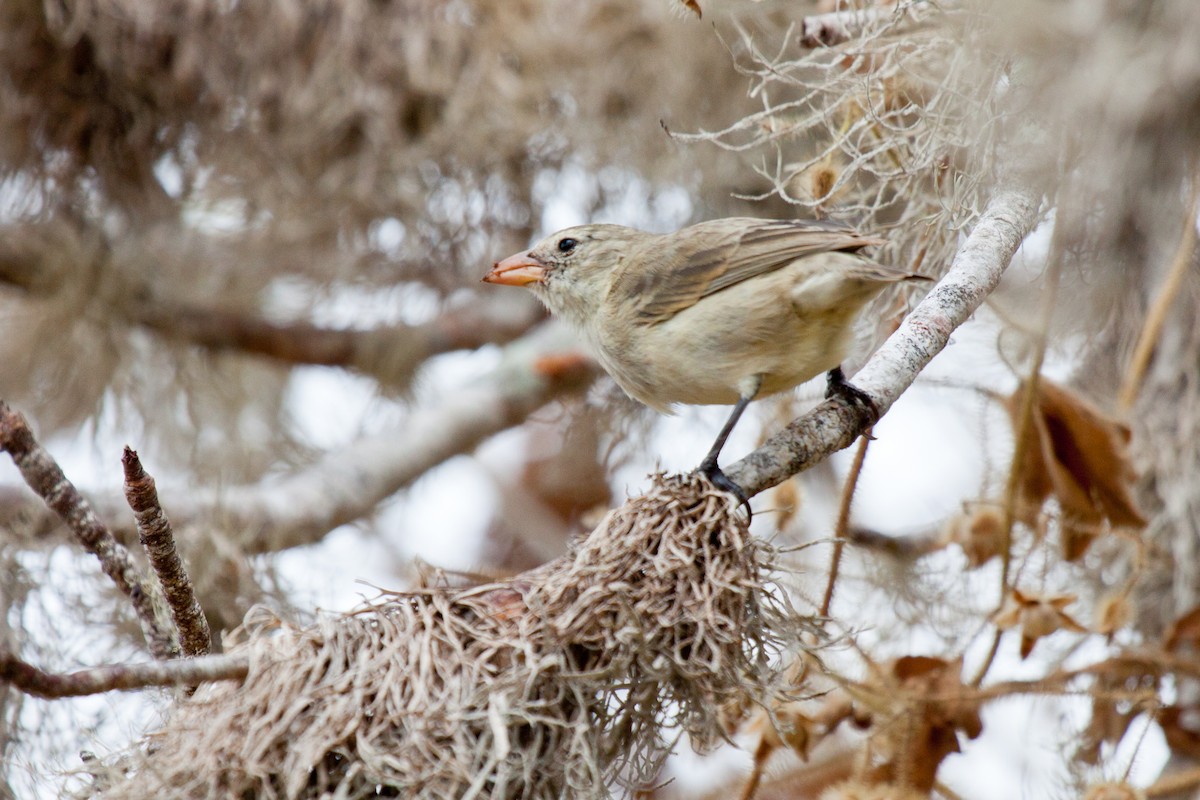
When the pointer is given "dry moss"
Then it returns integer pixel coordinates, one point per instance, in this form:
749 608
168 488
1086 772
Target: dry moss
561 681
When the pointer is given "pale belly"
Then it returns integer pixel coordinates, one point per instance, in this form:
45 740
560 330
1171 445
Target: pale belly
710 353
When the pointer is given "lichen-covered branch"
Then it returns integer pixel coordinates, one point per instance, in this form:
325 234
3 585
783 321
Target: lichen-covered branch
46 478
120 677
974 273
154 530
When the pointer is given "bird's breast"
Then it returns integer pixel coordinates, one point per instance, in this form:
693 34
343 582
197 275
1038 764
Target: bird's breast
704 354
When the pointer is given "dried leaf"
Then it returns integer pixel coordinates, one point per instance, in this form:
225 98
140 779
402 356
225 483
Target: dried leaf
1113 791
980 534
796 730
693 6
1184 631
1079 456
1181 727
865 790
932 707
1037 616
1113 612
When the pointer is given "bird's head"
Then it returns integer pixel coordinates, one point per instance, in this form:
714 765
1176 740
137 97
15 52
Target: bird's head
570 271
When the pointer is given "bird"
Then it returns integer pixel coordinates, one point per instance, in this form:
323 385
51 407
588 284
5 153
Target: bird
717 313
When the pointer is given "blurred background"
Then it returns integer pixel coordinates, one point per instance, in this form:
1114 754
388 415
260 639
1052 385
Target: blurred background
246 239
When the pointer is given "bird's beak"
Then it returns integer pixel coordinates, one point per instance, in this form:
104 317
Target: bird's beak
518 270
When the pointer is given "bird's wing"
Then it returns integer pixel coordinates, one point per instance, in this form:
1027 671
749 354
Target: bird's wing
718 254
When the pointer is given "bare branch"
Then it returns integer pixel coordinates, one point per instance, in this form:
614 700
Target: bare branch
120 677
46 478
154 529
389 353
347 484
833 425
841 529
826 30
912 546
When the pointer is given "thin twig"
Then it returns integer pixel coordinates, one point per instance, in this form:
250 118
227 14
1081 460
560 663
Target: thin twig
154 530
120 677
843 520
761 754
1156 317
46 478
1024 435
911 546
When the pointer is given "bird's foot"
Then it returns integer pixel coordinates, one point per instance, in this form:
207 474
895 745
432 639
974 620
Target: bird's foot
837 385
719 479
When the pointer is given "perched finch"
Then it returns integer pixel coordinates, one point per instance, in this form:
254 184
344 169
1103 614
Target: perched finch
720 312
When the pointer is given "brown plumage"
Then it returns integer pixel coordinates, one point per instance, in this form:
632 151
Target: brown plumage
720 312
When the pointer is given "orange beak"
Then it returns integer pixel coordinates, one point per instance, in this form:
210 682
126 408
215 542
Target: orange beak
518 270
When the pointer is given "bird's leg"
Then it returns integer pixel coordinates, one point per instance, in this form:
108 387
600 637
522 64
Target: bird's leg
836 384
709 465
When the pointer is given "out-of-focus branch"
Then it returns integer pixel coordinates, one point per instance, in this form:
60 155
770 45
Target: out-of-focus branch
1164 298
154 529
827 30
347 484
904 547
46 478
833 425
389 353
122 677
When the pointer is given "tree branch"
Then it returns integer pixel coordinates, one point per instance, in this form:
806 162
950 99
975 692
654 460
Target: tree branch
46 478
154 530
390 353
836 27
347 484
835 424
123 677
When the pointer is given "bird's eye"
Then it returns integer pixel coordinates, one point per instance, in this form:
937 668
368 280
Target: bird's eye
566 245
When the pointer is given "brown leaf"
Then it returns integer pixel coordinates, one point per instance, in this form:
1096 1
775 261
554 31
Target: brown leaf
1181 727
1113 791
796 730
1113 612
932 707
693 6
1036 616
1184 631
980 534
857 789
1080 457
